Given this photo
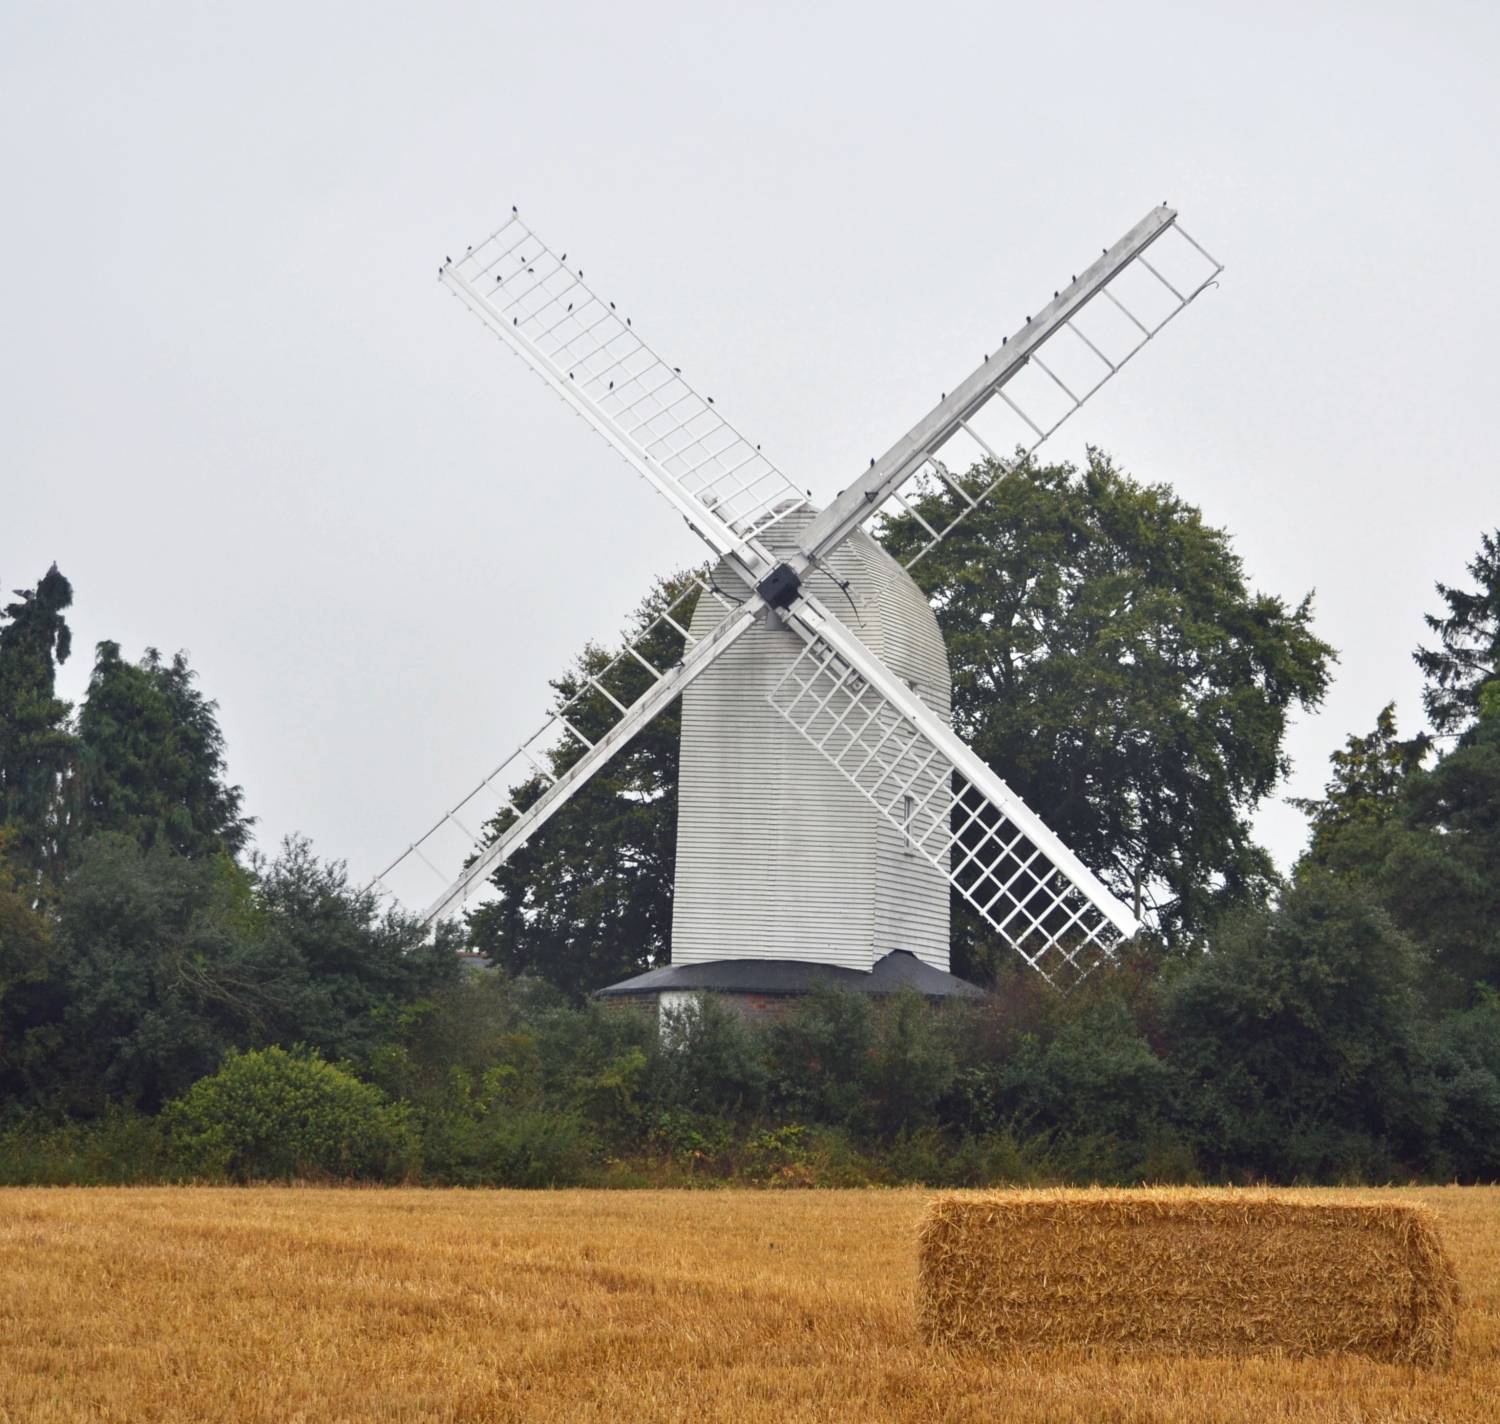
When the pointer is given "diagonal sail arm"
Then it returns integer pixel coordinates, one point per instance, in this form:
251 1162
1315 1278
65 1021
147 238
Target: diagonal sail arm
591 355
1062 356
951 808
599 714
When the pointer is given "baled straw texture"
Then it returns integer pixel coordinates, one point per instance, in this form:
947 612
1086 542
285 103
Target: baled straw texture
1184 1271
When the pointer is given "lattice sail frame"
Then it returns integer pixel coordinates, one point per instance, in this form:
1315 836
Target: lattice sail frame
1019 396
591 354
953 812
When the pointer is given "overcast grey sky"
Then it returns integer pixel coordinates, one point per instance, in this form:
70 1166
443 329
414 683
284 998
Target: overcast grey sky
247 422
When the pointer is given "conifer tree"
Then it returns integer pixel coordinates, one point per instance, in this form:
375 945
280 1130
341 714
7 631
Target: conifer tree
1468 651
36 746
151 758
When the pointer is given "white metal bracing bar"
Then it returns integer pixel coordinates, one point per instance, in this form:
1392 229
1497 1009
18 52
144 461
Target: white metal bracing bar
961 817
918 448
591 355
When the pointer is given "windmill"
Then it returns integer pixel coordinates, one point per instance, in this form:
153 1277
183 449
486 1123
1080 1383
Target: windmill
825 804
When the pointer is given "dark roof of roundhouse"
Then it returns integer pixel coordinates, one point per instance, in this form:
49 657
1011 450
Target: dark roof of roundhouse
900 969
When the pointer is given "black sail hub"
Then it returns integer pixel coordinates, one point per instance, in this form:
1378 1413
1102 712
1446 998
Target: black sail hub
780 586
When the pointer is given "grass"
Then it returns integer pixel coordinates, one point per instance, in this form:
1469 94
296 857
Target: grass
305 1304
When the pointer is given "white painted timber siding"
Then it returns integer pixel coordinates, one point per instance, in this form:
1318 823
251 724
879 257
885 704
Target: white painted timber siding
778 856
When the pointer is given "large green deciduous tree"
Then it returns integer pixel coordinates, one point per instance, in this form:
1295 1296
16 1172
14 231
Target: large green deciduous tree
36 745
151 759
1108 661
1112 665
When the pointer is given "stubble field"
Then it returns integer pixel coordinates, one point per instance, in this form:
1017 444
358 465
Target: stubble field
288 1305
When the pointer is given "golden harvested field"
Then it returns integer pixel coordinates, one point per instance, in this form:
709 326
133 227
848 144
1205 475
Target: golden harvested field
288 1305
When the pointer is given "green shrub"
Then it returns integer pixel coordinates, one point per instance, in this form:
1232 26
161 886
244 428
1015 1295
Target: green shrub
507 1147
119 1149
274 1114
710 1061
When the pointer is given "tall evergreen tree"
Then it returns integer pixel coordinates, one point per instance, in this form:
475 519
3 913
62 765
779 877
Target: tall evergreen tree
36 746
1468 651
151 758
1442 875
1362 799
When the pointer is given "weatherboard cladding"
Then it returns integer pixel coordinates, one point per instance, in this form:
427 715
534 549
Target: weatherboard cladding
778 856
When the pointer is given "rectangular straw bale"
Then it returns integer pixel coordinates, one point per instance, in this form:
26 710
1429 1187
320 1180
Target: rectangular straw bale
1187 1271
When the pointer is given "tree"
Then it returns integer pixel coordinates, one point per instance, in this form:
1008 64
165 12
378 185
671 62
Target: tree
1467 1066
343 969
1110 663
151 759
1362 800
36 746
1297 1040
158 978
31 968
1468 651
160 963
1441 876
589 899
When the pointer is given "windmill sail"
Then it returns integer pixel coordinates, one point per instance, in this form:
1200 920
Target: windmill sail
590 353
601 705
951 808
1020 394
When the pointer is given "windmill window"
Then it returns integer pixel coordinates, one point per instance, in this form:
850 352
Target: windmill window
908 810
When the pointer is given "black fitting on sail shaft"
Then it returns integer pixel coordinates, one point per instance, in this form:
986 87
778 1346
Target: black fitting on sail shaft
779 587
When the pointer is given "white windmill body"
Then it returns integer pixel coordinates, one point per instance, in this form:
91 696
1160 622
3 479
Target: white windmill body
827 810
832 881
